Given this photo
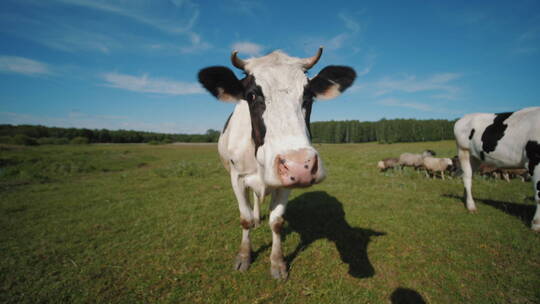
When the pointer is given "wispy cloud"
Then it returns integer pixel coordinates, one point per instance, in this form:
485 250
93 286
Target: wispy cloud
352 25
25 66
528 42
197 44
471 17
175 17
248 48
369 62
438 84
83 31
406 104
339 40
145 84
170 16
246 7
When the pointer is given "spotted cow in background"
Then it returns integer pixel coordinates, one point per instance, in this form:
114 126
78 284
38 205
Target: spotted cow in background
266 143
504 140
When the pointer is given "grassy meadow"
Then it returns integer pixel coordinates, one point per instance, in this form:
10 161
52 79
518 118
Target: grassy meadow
159 224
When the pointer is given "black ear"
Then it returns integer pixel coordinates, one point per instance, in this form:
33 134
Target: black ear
222 83
332 81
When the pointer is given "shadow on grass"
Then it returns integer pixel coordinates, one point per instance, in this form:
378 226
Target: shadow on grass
522 211
317 215
406 296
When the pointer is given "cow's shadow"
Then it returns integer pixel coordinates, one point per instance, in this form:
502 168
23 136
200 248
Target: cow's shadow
406 296
522 211
317 215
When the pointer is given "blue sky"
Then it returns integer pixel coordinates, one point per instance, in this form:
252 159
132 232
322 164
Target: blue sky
121 64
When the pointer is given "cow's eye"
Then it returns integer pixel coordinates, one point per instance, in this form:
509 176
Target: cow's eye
251 96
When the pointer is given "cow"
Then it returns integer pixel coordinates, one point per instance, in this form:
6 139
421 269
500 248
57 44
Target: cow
266 142
504 140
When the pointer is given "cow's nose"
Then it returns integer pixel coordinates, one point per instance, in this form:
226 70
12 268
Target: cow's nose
297 168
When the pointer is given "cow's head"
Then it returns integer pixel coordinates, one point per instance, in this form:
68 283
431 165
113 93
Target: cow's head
280 95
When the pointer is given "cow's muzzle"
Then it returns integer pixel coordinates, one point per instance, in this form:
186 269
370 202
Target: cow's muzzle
299 168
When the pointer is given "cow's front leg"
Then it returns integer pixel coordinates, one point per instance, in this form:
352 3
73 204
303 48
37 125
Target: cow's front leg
465 160
257 200
243 258
278 267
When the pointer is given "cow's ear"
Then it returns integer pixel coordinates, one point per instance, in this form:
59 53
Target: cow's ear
332 81
222 83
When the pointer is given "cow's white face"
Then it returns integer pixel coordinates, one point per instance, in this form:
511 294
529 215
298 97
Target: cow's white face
280 97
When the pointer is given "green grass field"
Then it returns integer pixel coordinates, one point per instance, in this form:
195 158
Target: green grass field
160 224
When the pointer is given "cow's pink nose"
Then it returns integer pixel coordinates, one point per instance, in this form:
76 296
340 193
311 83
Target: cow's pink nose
297 168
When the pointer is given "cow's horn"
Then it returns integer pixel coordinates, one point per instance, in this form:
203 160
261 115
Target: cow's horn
237 62
310 62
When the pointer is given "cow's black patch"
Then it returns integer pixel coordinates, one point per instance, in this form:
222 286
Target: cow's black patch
218 80
532 150
472 134
494 132
482 156
226 124
254 96
307 103
538 185
331 75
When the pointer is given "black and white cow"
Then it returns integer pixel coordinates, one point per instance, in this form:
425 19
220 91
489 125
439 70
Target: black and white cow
505 140
266 142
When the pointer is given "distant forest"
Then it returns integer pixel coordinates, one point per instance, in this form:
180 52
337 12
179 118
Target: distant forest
352 131
385 131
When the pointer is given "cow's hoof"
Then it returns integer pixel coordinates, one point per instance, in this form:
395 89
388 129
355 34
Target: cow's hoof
535 227
472 210
279 271
242 262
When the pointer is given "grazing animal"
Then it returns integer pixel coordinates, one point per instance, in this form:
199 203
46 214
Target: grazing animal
507 174
435 164
388 163
414 160
504 173
504 140
485 169
456 166
266 142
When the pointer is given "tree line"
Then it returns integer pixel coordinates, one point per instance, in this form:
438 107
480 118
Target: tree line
350 131
35 135
383 131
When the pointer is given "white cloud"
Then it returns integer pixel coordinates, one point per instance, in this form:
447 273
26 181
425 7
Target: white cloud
144 84
197 44
339 40
175 16
351 24
25 66
527 42
100 31
413 105
248 48
410 84
245 7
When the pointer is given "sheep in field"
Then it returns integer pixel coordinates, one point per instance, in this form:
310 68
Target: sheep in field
414 160
434 165
388 163
522 174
